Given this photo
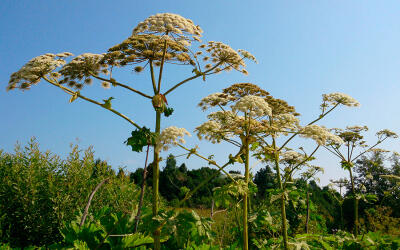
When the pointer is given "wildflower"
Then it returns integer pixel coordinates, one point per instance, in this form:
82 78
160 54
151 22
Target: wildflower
386 133
171 136
253 105
291 157
378 150
34 70
340 98
357 128
215 100
320 134
168 23
211 131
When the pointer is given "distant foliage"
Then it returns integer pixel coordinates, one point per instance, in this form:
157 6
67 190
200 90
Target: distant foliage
39 191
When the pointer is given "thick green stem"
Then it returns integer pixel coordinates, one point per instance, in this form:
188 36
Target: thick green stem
355 204
245 198
341 217
156 173
283 208
308 210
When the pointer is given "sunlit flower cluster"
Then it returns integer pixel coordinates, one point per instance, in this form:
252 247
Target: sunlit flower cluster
226 57
211 131
247 55
378 150
171 136
386 133
35 69
281 124
254 106
320 135
144 47
225 125
340 98
357 128
168 23
291 157
79 70
215 99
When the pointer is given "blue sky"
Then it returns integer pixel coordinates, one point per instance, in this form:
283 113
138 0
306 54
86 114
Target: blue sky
304 49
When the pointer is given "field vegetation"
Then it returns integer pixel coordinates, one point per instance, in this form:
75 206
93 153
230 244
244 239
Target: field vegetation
83 203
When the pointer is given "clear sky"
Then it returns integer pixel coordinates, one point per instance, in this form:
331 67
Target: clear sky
304 49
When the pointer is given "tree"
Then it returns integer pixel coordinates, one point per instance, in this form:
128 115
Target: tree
264 179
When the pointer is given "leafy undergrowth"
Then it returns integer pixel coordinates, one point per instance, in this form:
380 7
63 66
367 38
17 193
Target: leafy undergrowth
340 240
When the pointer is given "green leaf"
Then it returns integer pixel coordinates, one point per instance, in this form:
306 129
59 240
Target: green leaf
168 111
136 240
140 138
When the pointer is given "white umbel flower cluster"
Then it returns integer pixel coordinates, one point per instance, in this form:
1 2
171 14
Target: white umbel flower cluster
168 23
386 133
283 123
357 128
171 136
229 57
320 135
84 59
211 131
335 98
247 55
255 106
214 100
291 157
35 69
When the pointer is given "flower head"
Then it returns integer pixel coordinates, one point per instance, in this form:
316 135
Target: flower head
292 157
226 58
321 135
386 133
35 69
82 68
215 99
340 98
171 136
255 106
168 23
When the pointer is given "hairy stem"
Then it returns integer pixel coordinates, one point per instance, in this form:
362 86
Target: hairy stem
137 218
355 204
156 174
283 208
245 198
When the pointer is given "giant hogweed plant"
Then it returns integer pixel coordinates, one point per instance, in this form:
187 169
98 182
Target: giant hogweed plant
159 39
353 148
266 119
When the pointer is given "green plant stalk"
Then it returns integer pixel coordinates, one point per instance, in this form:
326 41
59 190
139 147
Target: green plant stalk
308 209
283 208
245 198
188 195
139 211
341 216
355 204
156 174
